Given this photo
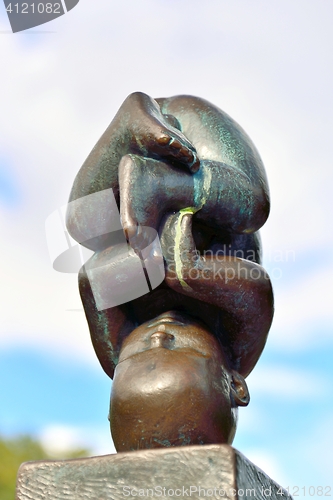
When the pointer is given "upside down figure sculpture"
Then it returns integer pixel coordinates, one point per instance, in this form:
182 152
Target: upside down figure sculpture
180 353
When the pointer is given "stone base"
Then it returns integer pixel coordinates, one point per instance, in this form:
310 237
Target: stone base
213 471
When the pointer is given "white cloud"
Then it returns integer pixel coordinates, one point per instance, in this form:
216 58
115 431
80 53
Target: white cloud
58 439
304 312
321 439
287 383
37 304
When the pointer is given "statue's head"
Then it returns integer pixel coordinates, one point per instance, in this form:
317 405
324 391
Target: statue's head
174 386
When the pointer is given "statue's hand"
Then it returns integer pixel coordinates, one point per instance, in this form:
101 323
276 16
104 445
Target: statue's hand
178 247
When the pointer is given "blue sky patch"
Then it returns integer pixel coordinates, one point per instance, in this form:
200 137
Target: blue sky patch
9 190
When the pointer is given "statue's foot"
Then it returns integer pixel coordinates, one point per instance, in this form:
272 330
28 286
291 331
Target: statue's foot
157 135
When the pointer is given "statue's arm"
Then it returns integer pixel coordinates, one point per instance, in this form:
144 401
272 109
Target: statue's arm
108 327
240 288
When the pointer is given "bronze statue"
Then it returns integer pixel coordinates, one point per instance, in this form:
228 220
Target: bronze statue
179 353
185 168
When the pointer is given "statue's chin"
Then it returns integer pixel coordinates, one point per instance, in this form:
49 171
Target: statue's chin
169 398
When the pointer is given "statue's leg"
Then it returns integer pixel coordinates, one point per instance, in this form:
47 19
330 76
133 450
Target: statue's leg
221 196
148 190
228 198
234 172
139 127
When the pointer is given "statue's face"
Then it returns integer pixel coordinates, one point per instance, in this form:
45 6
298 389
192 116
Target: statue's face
171 387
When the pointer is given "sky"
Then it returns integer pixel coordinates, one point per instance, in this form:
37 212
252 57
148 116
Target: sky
267 64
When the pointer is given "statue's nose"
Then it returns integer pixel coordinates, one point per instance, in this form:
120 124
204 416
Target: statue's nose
161 339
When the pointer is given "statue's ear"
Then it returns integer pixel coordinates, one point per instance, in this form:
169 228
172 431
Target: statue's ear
239 390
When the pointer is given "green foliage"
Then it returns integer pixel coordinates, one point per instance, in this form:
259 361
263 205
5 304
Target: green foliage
22 449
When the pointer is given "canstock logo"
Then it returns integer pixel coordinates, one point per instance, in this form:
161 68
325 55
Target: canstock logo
25 15
116 274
